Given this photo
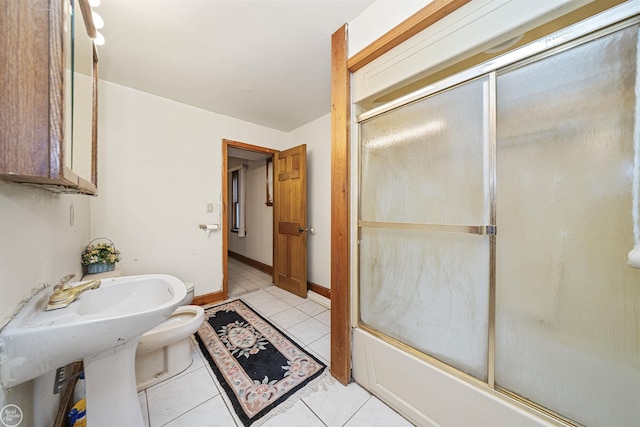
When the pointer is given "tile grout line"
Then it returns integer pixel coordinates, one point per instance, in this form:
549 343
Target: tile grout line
358 410
314 413
220 389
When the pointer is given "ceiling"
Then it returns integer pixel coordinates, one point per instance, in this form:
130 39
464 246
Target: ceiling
267 62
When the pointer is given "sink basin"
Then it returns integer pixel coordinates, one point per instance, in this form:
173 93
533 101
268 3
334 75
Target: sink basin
102 327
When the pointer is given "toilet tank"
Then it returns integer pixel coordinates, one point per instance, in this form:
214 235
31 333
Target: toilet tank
189 298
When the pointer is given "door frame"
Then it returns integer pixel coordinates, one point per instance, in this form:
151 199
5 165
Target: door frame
226 143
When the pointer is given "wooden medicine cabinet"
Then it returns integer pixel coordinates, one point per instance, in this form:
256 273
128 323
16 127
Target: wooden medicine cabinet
48 95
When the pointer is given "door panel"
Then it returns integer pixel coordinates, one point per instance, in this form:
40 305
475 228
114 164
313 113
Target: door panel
567 329
290 220
425 172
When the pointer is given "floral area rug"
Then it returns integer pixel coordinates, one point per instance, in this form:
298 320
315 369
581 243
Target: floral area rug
257 365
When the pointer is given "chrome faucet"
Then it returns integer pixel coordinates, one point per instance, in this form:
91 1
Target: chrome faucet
63 295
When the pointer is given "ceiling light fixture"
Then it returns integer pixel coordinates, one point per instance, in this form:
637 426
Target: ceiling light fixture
98 39
97 20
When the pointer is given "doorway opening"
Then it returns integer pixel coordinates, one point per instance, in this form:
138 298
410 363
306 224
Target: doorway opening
249 241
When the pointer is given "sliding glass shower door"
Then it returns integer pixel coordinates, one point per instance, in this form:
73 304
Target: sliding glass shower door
495 220
568 306
424 254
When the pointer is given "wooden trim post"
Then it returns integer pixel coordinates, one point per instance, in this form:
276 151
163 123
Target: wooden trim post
340 201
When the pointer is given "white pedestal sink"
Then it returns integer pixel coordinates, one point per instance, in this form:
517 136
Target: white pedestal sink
102 328
101 380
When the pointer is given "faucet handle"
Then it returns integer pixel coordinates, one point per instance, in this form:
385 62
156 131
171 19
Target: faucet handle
66 278
62 285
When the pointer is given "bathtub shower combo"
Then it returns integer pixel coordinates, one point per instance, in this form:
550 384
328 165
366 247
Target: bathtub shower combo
497 210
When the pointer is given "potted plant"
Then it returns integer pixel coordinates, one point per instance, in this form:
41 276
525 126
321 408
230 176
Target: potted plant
100 257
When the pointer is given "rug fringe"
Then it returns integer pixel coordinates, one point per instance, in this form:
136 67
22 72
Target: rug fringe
321 382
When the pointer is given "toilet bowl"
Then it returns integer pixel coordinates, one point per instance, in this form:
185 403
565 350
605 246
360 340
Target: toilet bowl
165 350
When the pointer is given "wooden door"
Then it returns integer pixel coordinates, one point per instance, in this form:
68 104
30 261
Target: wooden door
290 220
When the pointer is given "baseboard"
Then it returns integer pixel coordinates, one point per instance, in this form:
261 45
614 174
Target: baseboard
209 298
251 262
326 302
320 290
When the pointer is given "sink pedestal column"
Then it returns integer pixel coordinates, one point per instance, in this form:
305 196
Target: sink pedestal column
110 381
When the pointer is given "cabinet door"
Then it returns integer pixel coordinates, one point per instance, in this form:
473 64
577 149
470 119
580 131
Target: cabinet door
36 142
26 140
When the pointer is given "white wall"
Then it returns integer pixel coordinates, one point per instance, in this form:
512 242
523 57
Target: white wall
159 164
317 136
258 242
38 246
379 18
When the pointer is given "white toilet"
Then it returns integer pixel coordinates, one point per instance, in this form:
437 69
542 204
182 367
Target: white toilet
165 350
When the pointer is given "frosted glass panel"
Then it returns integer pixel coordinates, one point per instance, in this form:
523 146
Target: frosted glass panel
568 306
427 163
429 291
416 157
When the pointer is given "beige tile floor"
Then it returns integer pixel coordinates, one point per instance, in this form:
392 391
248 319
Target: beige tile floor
194 397
244 279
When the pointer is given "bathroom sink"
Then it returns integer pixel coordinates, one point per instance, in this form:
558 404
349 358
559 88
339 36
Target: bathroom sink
102 327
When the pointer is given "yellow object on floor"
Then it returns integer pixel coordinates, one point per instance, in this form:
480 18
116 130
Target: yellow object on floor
78 414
